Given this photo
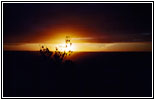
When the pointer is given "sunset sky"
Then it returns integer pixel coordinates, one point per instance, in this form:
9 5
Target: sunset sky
91 26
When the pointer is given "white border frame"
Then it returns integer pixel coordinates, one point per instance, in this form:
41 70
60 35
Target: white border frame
2 2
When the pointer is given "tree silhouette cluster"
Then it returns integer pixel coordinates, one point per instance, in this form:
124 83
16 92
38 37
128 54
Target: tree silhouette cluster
58 56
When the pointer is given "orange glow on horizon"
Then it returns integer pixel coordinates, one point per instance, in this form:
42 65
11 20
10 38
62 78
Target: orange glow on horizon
81 43
85 47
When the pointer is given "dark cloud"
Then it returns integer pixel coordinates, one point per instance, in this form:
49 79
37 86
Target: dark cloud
117 21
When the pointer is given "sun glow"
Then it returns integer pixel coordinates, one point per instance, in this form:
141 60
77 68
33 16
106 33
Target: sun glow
65 47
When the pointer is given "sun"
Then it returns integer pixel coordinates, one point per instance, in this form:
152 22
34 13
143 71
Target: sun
65 47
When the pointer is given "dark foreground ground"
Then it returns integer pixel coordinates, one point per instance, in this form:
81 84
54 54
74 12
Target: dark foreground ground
89 75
